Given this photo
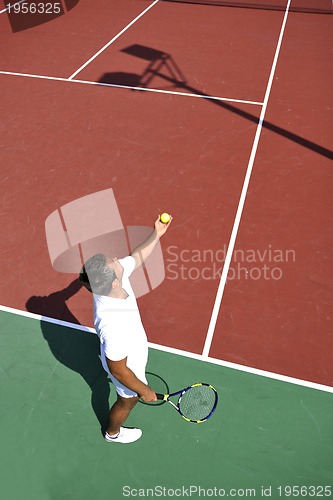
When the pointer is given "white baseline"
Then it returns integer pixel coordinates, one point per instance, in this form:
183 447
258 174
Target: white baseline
171 350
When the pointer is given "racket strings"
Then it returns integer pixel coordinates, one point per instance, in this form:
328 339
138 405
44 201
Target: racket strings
198 402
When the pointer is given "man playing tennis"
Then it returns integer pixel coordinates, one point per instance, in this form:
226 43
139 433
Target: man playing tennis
124 345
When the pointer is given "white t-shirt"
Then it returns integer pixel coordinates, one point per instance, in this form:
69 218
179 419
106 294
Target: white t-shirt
119 327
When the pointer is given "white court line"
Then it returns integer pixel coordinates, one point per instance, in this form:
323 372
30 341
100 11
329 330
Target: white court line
11 5
224 275
179 352
204 356
111 41
127 87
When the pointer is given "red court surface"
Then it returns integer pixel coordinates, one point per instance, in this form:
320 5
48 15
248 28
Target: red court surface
62 140
56 47
289 206
207 57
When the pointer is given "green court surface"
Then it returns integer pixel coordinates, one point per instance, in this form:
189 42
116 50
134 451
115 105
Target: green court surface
54 396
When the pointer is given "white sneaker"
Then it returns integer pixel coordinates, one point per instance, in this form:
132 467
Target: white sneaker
125 435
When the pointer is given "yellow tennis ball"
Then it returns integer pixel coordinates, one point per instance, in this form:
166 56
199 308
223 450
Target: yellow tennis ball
165 218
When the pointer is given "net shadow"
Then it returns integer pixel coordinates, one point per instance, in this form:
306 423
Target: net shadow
299 6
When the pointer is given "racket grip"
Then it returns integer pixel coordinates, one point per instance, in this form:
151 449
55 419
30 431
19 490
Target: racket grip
160 396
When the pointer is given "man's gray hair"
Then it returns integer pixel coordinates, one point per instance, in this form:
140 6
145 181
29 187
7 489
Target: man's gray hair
97 276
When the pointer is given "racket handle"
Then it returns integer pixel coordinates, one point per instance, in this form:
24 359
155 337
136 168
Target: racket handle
160 396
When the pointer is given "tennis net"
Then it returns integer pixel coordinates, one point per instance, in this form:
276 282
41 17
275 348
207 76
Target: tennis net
303 6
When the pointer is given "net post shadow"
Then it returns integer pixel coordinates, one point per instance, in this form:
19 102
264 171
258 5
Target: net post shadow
159 59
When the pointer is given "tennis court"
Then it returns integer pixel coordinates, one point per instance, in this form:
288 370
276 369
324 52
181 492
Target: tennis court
220 113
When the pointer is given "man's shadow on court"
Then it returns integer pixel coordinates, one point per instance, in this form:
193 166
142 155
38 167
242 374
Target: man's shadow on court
77 350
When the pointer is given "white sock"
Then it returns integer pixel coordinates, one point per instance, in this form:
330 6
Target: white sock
114 436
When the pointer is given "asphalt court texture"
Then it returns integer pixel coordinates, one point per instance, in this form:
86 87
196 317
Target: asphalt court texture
65 137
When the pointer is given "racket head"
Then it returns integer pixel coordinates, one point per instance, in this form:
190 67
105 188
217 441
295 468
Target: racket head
198 402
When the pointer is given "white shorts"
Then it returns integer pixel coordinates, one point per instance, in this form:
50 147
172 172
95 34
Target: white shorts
121 389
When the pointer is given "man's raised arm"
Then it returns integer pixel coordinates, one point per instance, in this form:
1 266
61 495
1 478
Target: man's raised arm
142 252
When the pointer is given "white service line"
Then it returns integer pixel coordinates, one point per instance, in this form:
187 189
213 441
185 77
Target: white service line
11 6
111 41
142 89
224 275
179 352
243 368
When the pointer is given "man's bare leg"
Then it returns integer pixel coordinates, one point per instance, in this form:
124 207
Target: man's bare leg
119 413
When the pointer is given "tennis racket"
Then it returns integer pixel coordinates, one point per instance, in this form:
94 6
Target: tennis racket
196 403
